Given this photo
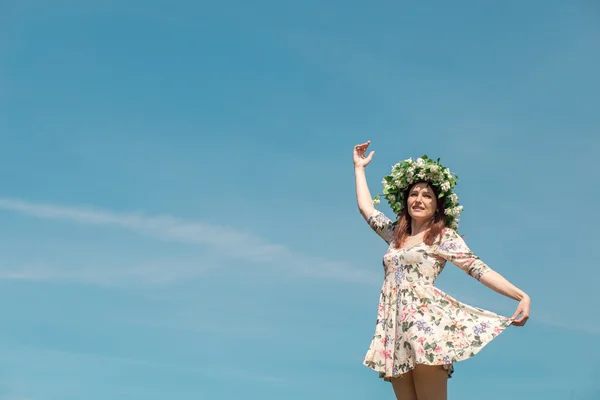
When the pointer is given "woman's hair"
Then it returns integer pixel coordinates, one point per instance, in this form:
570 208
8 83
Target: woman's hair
404 226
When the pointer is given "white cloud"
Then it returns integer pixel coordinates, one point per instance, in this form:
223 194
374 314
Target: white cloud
247 247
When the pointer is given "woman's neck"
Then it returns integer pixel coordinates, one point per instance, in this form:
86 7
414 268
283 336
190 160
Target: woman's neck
418 227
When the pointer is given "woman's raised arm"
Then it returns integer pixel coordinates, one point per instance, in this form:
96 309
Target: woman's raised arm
363 196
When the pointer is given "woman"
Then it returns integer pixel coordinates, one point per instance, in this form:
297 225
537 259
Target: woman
421 331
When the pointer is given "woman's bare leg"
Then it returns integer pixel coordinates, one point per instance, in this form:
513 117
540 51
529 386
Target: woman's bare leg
404 387
431 382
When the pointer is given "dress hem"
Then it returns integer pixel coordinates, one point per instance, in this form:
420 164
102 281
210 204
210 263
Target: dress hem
388 378
449 367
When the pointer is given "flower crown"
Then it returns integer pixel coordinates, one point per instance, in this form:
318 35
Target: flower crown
424 169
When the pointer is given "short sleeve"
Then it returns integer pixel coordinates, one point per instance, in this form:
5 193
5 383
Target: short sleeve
453 248
382 225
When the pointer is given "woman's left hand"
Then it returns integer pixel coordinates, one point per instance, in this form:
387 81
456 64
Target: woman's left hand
523 311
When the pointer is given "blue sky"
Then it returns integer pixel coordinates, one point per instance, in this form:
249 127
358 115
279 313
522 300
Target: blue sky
177 211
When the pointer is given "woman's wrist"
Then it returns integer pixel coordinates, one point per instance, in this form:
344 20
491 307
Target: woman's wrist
522 296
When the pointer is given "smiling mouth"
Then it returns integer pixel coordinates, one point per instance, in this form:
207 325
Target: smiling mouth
418 209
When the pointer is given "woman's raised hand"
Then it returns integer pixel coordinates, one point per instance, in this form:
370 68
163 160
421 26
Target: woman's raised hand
360 158
523 309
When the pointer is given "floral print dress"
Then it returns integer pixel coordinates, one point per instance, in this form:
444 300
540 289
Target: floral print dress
418 323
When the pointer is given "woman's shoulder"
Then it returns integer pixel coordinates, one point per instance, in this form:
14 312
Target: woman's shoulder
446 235
449 233
377 216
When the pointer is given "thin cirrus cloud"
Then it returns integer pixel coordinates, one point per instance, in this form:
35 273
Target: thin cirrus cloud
251 248
167 228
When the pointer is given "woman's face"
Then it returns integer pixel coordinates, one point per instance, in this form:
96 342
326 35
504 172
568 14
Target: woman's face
421 202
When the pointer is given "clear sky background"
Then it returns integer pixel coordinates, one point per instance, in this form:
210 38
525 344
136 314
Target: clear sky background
177 210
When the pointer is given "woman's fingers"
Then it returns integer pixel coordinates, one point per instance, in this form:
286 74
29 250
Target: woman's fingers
520 322
360 157
362 146
516 314
361 149
524 316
